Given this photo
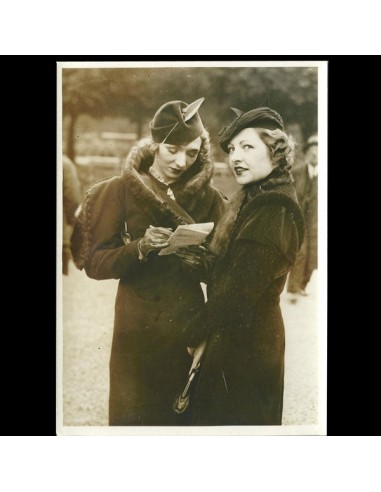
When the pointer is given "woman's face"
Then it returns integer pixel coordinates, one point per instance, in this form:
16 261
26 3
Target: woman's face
171 161
249 157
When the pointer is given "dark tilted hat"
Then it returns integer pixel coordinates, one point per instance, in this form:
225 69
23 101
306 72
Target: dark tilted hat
177 123
255 118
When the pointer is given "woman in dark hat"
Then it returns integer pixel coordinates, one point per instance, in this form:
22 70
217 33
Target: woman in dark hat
240 381
124 222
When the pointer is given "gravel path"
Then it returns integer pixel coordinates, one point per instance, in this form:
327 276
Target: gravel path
88 311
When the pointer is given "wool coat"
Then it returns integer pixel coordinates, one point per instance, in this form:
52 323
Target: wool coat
71 197
155 298
307 192
306 262
242 371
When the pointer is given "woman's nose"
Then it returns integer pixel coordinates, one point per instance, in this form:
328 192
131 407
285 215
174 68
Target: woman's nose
180 159
235 156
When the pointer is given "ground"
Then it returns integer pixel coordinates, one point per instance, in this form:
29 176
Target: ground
88 310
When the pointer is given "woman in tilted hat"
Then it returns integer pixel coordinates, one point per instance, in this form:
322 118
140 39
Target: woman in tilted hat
240 381
124 222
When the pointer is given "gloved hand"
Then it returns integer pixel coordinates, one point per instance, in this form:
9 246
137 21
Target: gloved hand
154 238
198 261
196 353
192 257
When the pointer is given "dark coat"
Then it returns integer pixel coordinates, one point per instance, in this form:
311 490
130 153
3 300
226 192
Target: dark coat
307 192
71 197
155 298
241 376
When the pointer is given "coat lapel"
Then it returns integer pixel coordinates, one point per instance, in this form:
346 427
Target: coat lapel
138 184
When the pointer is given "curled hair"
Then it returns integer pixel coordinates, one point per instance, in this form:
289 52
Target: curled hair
204 154
281 147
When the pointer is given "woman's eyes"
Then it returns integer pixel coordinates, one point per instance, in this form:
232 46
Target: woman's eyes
245 147
173 150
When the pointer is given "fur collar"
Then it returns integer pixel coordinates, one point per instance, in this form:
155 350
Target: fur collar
189 189
193 193
277 189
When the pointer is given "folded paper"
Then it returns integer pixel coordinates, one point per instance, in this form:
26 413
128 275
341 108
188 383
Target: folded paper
187 235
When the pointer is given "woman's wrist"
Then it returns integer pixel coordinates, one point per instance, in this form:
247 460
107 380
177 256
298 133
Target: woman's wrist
142 256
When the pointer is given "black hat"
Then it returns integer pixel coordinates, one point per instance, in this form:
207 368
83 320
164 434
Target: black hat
177 123
255 118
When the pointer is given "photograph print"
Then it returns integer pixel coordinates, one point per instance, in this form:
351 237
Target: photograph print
191 251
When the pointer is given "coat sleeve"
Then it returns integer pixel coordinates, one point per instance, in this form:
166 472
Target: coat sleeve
102 218
262 251
71 190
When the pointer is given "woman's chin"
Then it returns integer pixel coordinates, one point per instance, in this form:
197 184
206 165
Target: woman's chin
243 180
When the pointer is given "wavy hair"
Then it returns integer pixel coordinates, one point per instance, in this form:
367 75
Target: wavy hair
281 146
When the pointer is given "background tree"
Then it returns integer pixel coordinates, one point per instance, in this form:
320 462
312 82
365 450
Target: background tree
136 93
84 91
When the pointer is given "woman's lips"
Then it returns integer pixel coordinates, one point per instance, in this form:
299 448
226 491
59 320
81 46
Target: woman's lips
240 170
175 171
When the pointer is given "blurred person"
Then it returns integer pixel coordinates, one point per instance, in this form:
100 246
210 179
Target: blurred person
241 376
124 222
71 199
306 183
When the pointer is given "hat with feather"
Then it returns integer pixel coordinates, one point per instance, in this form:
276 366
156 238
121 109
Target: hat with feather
177 123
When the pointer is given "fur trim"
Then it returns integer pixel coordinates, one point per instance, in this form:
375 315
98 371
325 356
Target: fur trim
80 240
278 191
189 190
226 224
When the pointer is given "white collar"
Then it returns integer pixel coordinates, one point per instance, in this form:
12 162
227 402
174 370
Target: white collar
160 178
312 171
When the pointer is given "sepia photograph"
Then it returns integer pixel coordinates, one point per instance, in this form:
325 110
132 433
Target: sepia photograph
191 248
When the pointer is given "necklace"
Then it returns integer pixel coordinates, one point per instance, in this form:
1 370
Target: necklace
158 176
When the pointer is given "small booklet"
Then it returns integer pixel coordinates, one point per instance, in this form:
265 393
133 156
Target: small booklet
187 235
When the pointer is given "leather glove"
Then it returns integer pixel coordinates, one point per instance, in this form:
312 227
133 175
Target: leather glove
196 353
198 261
192 257
155 238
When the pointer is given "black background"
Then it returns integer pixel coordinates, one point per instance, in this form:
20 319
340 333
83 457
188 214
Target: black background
28 362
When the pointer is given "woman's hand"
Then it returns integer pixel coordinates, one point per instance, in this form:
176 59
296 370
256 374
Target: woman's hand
192 256
197 354
154 238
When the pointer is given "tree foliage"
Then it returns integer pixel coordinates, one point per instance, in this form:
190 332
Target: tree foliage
138 92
